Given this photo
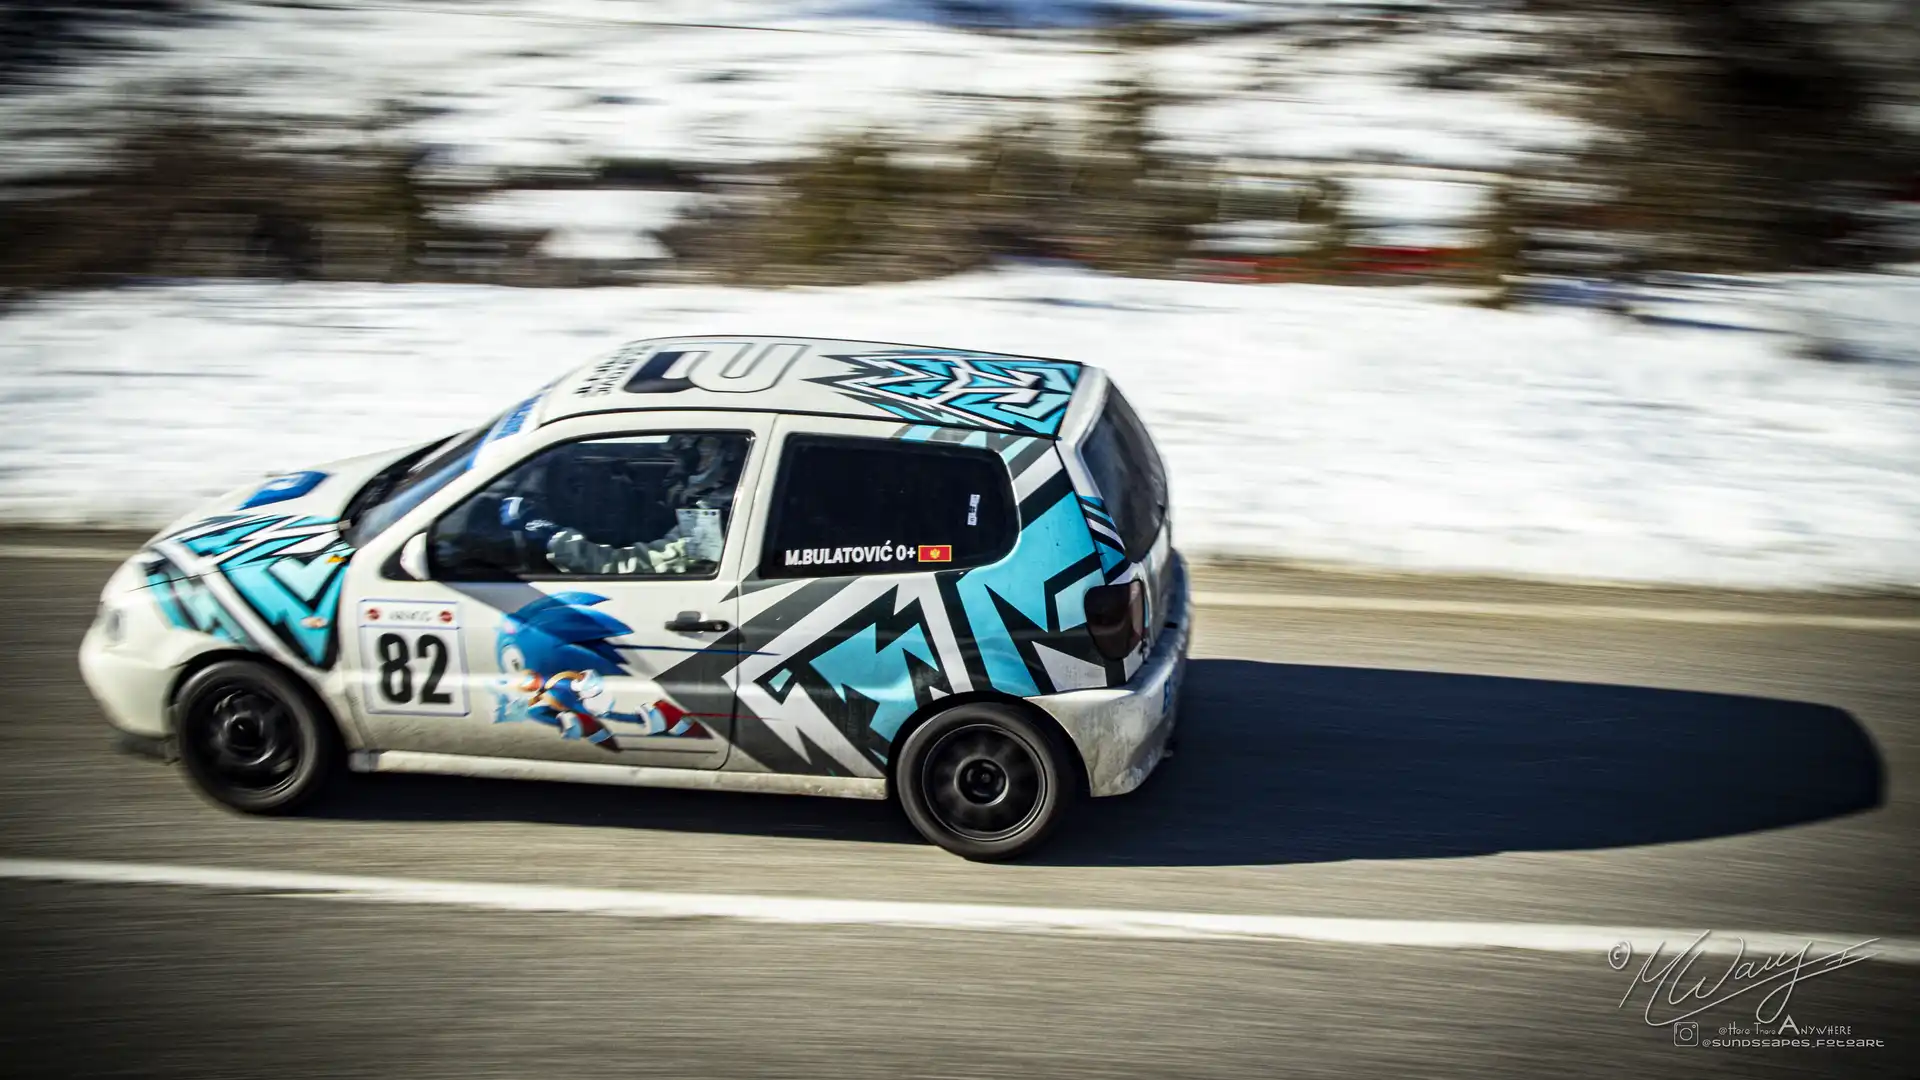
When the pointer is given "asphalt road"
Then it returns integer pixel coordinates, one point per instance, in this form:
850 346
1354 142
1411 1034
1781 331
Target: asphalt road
1347 763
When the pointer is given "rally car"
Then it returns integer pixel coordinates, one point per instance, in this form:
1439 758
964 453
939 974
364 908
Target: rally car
783 565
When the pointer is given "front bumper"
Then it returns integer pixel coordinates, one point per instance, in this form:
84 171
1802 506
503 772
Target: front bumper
1121 732
131 689
131 657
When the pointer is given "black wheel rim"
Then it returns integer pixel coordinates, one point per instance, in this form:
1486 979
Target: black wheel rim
245 738
983 782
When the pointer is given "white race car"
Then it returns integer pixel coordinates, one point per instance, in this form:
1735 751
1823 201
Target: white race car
785 565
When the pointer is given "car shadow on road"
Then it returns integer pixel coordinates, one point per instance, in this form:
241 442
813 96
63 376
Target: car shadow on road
390 797
1282 763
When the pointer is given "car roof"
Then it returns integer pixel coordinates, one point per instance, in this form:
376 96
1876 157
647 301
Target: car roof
825 377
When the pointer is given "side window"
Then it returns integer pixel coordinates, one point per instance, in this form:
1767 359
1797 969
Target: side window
627 506
1126 468
876 506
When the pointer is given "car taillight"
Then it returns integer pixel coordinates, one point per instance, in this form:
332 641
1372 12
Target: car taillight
1117 618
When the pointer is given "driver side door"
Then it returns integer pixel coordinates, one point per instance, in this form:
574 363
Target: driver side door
581 605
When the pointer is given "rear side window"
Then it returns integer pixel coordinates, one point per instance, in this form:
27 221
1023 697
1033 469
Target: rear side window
875 506
1127 469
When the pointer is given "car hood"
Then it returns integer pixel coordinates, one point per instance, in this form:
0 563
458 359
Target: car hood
312 496
262 566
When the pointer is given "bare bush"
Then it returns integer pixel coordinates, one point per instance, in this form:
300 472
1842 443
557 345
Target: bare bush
1736 137
181 194
874 206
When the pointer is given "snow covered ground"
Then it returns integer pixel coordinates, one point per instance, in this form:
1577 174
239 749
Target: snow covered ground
585 224
1396 427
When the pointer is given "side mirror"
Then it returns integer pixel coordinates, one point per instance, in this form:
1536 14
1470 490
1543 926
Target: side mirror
413 557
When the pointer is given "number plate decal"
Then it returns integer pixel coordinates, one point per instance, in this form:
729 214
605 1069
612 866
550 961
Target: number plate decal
410 658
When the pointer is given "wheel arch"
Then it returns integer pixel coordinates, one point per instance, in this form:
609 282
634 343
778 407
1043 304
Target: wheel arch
1070 749
201 661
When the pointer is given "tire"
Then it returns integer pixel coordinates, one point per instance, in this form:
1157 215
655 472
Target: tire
252 738
984 782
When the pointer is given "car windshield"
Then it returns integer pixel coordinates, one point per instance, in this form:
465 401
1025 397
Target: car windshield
436 470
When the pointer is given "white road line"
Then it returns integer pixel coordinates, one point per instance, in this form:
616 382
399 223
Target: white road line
47 551
1076 922
1574 612
1388 605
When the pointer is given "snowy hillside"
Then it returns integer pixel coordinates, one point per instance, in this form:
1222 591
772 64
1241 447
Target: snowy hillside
1742 431
521 84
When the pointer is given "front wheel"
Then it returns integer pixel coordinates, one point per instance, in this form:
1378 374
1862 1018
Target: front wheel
252 739
983 781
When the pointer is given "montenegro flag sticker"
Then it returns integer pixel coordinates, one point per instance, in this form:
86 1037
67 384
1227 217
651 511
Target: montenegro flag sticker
936 553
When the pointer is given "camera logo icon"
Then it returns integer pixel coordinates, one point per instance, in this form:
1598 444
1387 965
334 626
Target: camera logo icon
1686 1033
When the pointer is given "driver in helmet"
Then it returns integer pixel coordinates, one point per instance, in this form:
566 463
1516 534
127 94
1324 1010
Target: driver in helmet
700 492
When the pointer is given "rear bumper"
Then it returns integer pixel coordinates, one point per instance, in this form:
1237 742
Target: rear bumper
1122 732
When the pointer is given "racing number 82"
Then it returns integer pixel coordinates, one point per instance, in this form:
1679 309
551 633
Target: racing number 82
396 674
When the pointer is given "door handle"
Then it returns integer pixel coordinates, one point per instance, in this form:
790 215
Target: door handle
690 622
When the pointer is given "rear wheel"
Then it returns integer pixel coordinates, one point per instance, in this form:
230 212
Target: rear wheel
983 781
252 739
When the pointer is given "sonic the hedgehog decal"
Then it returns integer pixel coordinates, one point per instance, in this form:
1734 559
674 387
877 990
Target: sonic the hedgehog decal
557 653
